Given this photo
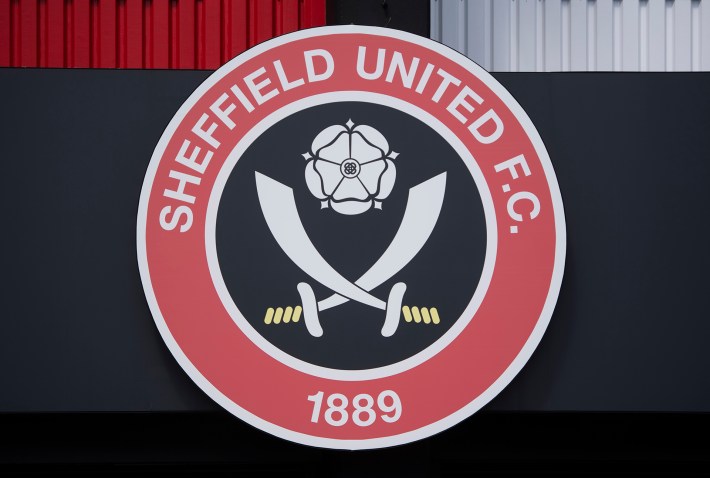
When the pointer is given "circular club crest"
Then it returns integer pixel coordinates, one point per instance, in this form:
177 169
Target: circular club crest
351 237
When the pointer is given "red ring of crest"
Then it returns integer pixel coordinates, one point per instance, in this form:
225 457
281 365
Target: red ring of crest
436 394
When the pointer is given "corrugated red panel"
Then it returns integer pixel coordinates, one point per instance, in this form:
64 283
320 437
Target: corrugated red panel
184 34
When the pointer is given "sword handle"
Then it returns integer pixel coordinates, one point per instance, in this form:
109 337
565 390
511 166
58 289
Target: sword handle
428 315
394 304
279 314
309 310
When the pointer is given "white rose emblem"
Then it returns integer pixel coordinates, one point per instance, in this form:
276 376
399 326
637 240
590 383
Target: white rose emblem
350 168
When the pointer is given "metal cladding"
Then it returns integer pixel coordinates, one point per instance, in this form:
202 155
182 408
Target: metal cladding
577 35
153 34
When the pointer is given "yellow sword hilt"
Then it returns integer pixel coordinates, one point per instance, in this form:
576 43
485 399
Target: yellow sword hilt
417 315
281 315
427 315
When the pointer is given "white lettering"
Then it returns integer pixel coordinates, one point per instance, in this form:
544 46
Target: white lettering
206 135
475 127
179 193
255 88
285 84
191 161
460 100
520 196
242 98
170 224
397 64
223 115
425 78
445 82
310 66
379 66
510 165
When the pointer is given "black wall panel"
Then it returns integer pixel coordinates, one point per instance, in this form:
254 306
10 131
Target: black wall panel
629 332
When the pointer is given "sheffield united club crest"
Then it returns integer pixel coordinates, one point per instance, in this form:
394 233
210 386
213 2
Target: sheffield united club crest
351 237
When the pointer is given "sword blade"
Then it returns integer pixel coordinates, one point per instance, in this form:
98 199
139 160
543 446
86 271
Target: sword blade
279 208
420 216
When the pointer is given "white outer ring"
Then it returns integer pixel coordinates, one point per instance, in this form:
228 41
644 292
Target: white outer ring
325 372
495 388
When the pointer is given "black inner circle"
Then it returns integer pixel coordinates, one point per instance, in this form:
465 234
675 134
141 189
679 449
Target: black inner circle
259 275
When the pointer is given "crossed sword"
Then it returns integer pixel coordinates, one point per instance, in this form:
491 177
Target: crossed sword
279 208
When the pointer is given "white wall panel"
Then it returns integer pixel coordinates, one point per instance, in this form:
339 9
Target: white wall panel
604 20
696 36
577 35
552 59
630 35
435 19
514 33
643 36
617 38
527 34
566 19
657 35
682 34
501 35
591 36
478 40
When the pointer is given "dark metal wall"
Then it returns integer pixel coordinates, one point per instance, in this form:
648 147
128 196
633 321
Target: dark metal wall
408 15
629 332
